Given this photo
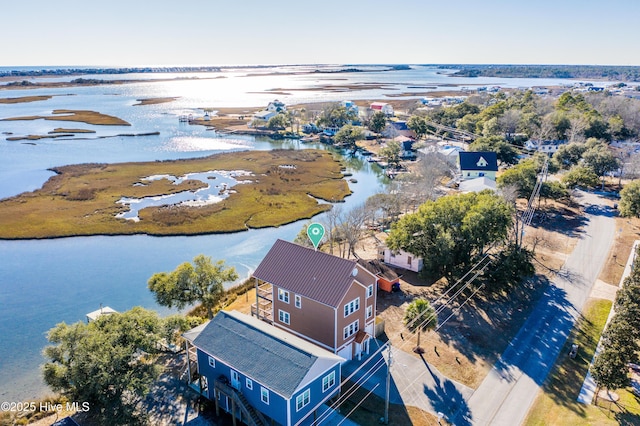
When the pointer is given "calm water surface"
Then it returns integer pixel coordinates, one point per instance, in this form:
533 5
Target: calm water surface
46 282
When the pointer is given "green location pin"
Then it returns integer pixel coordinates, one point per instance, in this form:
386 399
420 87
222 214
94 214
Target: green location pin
315 231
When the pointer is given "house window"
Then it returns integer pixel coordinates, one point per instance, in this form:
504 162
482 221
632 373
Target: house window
212 362
351 329
409 260
283 316
283 295
264 395
370 291
328 381
298 301
303 399
249 383
351 307
369 311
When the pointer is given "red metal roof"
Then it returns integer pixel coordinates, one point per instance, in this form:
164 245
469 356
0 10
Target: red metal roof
313 274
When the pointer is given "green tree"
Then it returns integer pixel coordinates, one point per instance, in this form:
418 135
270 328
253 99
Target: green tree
601 160
609 370
201 282
100 363
391 153
302 239
630 199
509 268
554 190
418 125
522 176
420 316
506 153
348 135
278 121
336 115
378 122
569 155
580 176
452 231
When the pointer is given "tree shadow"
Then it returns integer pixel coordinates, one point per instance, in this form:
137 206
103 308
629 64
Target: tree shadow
484 327
446 399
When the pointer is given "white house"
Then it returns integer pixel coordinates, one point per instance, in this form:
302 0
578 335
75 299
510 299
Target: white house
477 164
264 115
401 259
276 106
386 108
548 147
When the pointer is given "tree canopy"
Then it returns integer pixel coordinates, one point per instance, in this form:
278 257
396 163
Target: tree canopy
201 282
101 363
630 199
348 135
336 115
420 316
452 231
506 153
377 122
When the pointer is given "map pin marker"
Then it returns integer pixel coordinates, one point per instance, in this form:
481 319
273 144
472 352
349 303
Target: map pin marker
315 231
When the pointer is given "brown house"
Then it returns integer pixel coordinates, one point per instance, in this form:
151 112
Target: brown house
325 299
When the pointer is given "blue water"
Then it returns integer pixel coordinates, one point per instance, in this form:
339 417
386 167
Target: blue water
46 282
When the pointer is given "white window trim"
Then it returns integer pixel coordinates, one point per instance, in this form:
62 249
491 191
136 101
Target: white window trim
351 329
351 307
331 381
282 315
369 311
264 395
282 295
249 383
298 301
300 399
370 290
212 362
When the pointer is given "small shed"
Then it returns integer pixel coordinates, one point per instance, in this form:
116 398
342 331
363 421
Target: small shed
92 316
387 278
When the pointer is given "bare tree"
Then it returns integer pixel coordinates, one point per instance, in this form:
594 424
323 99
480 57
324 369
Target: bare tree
509 121
331 220
352 228
546 129
576 129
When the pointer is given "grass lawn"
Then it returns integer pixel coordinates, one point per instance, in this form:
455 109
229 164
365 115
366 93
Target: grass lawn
556 403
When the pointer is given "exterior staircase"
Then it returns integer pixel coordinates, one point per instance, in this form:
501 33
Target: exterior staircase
250 414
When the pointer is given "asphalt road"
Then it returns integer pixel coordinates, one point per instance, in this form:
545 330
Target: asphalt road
506 394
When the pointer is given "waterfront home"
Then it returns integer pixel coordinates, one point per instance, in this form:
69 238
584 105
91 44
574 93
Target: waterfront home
325 299
386 108
264 115
549 147
350 106
276 106
259 373
92 316
477 164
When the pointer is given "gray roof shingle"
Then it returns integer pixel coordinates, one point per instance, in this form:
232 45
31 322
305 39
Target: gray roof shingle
313 274
272 357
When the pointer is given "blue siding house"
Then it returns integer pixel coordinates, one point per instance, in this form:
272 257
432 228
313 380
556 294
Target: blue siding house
258 373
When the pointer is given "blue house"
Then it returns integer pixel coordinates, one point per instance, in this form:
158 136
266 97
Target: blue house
258 373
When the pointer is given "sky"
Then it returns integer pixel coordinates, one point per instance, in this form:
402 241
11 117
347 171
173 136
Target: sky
212 32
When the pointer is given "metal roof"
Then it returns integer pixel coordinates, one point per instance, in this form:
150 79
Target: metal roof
313 274
272 357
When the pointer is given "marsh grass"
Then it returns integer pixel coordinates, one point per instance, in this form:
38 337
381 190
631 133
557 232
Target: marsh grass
82 116
82 199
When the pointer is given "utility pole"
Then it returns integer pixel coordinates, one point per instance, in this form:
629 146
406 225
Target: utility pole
386 400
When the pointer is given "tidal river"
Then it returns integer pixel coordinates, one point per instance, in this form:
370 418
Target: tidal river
44 282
